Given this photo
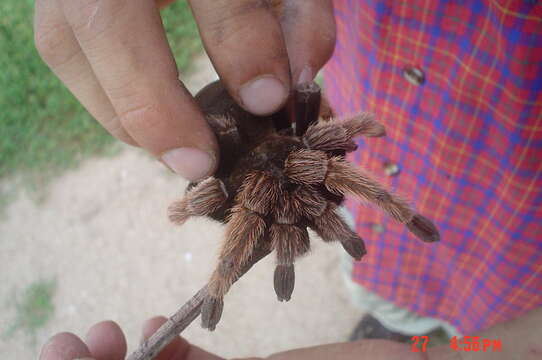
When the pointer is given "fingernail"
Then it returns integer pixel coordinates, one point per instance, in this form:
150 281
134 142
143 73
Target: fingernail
306 75
192 164
263 95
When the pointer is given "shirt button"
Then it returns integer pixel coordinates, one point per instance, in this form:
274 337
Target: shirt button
391 169
414 75
378 228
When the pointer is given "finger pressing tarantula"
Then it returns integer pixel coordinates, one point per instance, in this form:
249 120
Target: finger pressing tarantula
275 180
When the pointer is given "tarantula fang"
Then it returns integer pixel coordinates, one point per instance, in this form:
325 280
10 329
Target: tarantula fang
278 176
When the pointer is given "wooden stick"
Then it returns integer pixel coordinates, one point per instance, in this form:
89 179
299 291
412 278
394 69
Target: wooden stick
184 317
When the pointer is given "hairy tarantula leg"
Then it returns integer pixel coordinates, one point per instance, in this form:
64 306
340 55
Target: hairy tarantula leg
306 167
331 227
203 199
423 228
342 177
284 281
211 312
259 192
312 166
244 229
328 136
306 106
288 235
337 135
362 124
290 241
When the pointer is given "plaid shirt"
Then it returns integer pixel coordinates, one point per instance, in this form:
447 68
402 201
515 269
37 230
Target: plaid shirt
458 85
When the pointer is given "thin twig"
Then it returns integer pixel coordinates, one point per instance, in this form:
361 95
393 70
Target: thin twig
183 317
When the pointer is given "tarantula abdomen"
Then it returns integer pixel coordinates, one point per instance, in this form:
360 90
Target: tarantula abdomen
277 178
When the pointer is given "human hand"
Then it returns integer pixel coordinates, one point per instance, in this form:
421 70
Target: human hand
521 339
105 341
114 57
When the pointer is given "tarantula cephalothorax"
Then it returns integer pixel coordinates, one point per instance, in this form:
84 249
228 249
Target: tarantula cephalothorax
276 179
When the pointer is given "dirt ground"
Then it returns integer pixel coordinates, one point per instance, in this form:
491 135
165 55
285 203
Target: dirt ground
103 237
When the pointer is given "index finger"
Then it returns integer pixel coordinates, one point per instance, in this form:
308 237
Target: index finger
125 44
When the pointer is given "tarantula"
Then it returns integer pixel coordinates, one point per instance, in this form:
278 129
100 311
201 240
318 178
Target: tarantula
276 178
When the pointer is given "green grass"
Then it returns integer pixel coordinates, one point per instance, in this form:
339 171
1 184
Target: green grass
33 309
43 129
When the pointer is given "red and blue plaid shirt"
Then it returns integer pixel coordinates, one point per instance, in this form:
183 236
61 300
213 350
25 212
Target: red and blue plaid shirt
458 85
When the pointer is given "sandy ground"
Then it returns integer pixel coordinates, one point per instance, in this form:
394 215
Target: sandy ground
104 236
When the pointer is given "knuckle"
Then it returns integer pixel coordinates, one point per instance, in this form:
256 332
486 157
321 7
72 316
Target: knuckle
115 128
89 18
141 117
51 42
235 20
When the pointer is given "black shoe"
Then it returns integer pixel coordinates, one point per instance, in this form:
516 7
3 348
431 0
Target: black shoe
371 328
